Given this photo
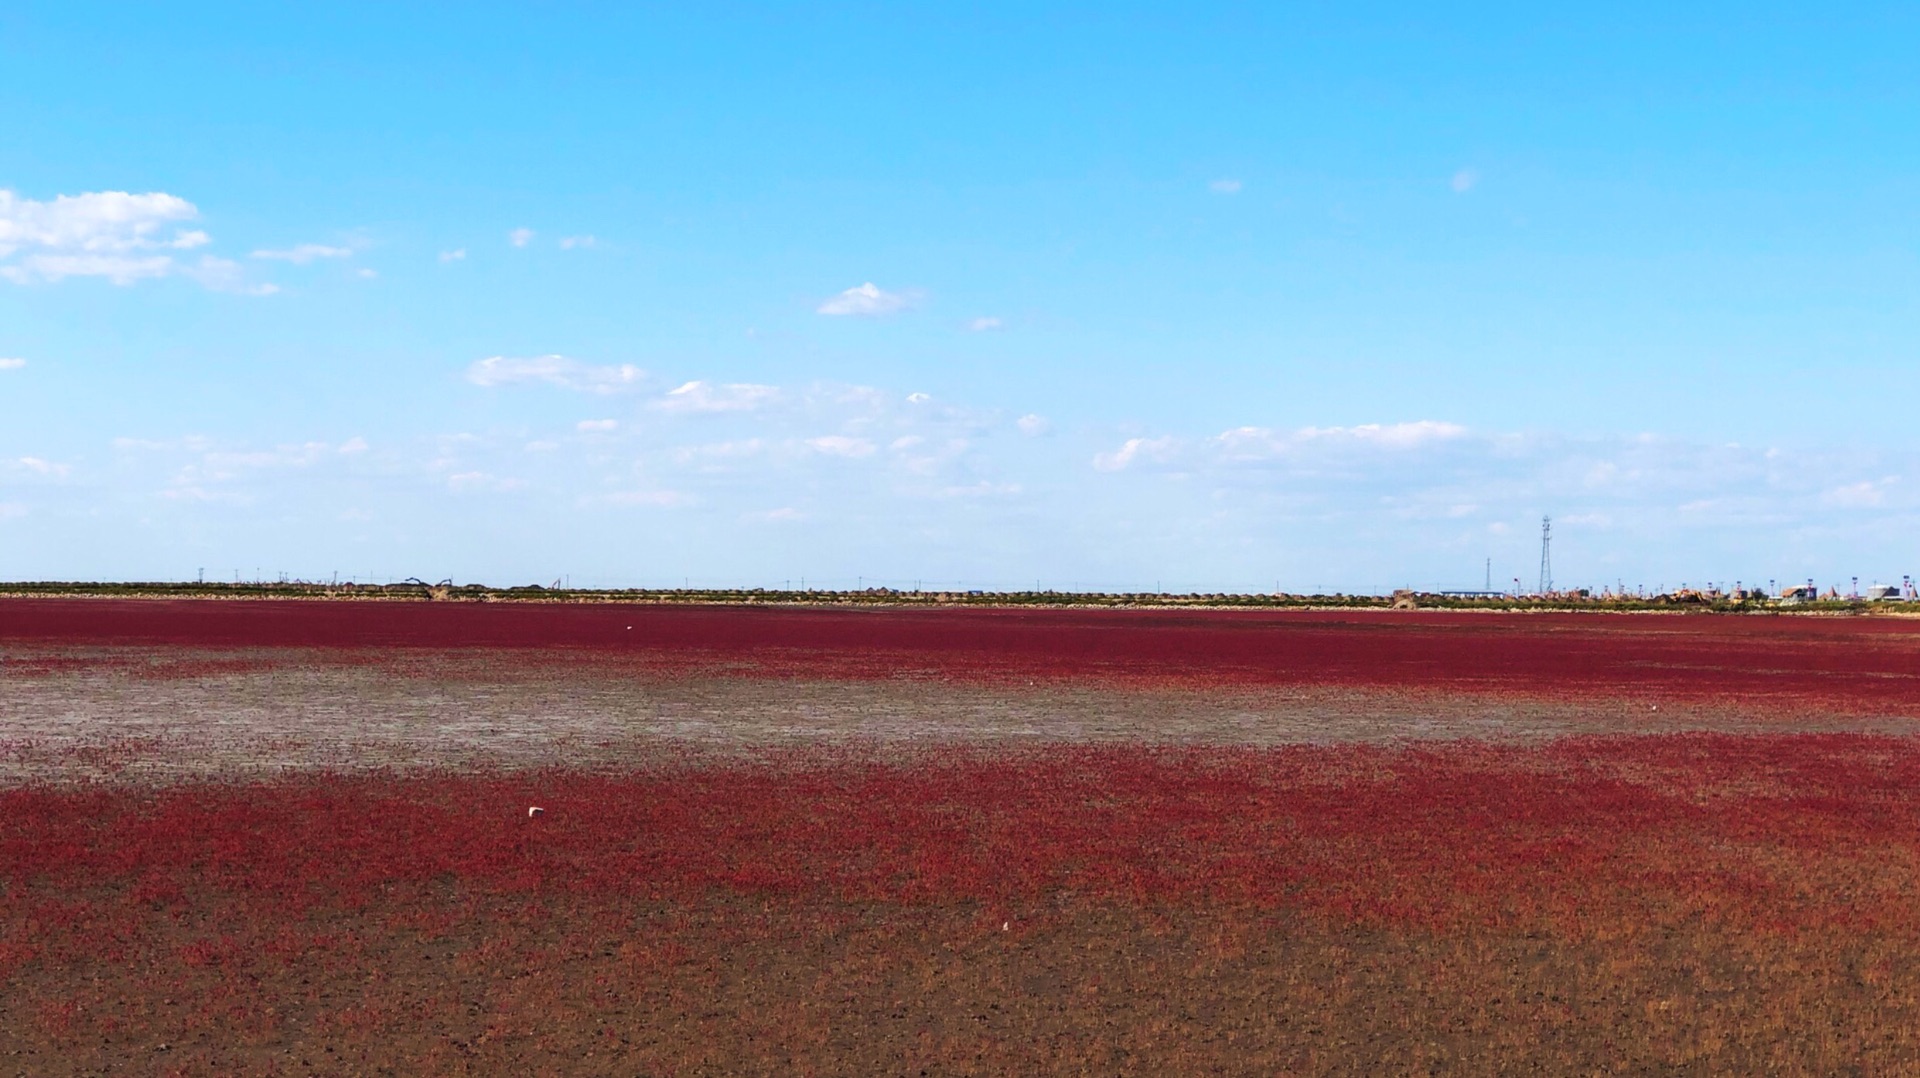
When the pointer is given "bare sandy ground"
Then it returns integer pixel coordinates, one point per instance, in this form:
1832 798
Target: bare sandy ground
141 714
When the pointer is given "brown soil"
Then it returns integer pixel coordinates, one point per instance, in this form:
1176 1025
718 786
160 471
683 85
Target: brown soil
736 987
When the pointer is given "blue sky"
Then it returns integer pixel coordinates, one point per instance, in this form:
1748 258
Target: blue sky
1328 297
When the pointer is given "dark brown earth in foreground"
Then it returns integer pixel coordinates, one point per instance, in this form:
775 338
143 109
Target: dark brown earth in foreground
752 989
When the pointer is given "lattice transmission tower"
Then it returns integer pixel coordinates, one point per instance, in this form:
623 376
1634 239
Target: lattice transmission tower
1546 555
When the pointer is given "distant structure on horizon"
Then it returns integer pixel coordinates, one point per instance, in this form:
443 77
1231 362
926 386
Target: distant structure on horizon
1546 555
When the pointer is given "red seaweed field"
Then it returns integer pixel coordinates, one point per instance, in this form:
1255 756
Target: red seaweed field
1838 661
1170 843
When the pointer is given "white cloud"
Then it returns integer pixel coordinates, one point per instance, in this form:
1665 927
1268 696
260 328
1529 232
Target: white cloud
121 237
919 398
840 445
1224 187
866 301
1464 181
40 467
301 254
454 255
100 222
1358 502
595 425
12 364
366 274
1257 446
353 445
554 370
1260 443
520 237
985 324
568 243
1133 449
1032 425
707 397
1868 494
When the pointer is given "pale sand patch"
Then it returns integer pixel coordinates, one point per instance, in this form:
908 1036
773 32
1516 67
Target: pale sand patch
97 714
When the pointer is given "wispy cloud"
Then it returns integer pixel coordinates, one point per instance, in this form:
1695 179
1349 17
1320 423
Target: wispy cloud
568 243
454 255
1464 181
876 474
1224 187
12 364
866 301
226 275
483 482
520 237
301 254
708 397
42 467
984 324
554 370
1867 494
786 514
116 268
840 445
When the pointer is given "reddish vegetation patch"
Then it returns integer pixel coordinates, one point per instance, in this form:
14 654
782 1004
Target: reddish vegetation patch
738 915
1434 836
1591 903
1853 664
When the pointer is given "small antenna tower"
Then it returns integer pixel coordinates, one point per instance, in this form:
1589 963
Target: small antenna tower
1546 555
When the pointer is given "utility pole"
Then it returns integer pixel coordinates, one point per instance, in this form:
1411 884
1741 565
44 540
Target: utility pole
1489 584
1546 555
